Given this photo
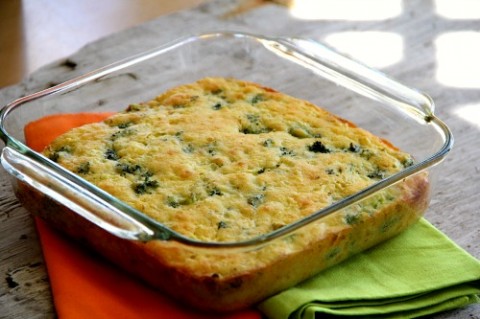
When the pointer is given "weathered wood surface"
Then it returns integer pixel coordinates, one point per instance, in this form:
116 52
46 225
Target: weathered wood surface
24 289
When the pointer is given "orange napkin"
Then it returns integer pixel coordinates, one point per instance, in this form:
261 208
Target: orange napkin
85 286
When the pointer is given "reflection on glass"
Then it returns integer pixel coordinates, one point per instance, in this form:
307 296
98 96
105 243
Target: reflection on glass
374 48
346 9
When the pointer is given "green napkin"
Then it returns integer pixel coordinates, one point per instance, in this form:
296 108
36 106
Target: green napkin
418 273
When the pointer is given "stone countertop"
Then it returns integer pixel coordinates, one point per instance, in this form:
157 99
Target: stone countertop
424 34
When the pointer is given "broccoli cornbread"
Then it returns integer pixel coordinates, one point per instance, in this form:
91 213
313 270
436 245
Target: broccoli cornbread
227 160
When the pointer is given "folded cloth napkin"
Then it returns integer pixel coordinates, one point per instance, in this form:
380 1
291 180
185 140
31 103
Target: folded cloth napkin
418 273
85 286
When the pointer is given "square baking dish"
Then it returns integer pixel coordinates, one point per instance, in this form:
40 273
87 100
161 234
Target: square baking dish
299 67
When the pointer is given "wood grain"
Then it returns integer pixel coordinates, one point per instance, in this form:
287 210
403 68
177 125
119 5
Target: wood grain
37 32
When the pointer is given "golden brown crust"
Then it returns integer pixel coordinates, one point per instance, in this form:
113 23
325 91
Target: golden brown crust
254 163
172 267
226 160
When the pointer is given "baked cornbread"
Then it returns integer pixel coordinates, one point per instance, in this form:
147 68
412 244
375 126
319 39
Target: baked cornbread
225 160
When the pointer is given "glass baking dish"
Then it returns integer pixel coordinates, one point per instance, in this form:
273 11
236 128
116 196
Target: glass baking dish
303 68
225 276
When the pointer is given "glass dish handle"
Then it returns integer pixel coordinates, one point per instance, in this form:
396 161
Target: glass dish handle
48 182
367 81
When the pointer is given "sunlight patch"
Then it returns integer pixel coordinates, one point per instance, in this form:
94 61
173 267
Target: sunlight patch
458 59
469 113
458 9
346 9
374 48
